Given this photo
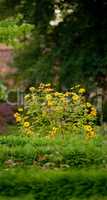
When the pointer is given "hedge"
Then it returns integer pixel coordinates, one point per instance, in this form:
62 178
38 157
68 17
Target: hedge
31 197
53 184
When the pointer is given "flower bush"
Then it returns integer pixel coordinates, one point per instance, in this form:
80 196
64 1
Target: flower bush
47 112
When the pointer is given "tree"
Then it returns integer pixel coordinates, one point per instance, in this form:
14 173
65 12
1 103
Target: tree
77 41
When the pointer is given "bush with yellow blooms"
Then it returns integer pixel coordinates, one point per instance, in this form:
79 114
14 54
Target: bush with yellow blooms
48 113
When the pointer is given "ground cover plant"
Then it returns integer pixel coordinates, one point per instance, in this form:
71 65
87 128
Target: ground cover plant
72 151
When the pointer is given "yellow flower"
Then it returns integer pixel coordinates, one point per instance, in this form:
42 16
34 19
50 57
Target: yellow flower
41 86
49 103
18 119
26 124
75 98
20 109
82 90
63 98
67 94
16 115
58 94
88 105
93 112
48 85
88 128
48 97
91 134
32 89
93 109
27 97
54 129
48 89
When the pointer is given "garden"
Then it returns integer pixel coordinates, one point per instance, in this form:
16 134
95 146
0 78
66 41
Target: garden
53 106
55 150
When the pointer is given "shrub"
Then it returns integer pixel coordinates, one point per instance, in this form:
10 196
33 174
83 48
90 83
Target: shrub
47 112
53 185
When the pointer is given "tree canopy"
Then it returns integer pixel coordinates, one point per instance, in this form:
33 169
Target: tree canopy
69 38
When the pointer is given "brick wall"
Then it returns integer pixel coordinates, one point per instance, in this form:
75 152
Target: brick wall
5 54
6 58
